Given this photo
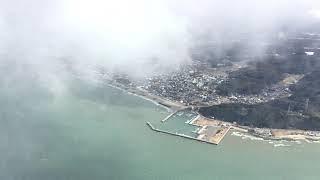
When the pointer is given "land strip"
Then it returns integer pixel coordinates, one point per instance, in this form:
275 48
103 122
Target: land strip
266 133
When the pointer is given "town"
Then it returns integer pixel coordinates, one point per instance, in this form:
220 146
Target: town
201 85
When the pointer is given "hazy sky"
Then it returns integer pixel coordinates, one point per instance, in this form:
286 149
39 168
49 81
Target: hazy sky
137 36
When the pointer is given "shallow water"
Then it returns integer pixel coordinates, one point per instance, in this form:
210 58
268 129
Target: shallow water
100 133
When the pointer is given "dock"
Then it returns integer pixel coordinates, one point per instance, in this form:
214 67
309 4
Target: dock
169 116
194 120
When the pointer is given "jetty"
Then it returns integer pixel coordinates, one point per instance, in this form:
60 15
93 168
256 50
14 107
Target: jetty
169 116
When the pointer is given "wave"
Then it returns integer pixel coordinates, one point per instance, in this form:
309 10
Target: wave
281 145
247 136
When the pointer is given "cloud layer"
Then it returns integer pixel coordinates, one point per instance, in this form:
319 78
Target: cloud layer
141 36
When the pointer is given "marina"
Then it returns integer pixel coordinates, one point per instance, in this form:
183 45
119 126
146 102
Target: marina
192 126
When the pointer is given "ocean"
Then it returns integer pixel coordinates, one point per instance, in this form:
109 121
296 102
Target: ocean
95 132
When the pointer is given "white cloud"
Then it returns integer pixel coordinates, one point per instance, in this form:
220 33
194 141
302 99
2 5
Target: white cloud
134 35
315 13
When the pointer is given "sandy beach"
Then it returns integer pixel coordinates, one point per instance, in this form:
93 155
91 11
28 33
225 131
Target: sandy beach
167 104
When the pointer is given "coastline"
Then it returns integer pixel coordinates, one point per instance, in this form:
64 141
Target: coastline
275 134
173 106
169 105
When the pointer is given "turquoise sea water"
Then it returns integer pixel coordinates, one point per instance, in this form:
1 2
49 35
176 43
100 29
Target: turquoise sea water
99 133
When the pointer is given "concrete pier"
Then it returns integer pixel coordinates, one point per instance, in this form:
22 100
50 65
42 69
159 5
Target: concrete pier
195 119
166 118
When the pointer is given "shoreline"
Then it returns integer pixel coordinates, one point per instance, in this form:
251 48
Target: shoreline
169 105
275 134
172 106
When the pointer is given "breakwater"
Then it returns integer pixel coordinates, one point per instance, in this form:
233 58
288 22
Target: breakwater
177 134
